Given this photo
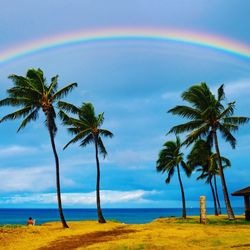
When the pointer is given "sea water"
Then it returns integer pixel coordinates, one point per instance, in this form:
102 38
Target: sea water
125 215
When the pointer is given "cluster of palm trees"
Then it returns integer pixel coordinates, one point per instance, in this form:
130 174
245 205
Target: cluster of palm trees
32 93
207 115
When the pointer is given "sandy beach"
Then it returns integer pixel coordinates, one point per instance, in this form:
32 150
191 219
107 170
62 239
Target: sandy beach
163 233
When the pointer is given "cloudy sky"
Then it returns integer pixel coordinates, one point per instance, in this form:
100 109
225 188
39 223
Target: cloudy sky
134 81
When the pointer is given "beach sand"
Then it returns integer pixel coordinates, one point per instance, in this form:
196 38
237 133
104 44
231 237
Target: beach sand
164 233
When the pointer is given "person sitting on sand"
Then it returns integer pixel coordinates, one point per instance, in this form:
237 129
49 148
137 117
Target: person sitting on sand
31 221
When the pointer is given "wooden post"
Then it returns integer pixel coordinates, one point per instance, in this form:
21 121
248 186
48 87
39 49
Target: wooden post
203 209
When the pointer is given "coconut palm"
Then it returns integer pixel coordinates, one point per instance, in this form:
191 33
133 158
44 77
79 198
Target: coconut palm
203 160
32 93
208 116
170 158
216 190
86 129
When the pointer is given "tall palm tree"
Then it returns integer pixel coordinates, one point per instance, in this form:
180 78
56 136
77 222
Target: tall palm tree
216 191
208 116
86 129
32 93
208 176
204 160
170 158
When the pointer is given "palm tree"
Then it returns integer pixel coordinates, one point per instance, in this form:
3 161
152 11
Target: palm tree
201 156
170 158
32 93
207 116
86 129
216 190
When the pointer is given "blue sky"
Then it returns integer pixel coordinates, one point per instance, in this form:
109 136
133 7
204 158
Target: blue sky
134 83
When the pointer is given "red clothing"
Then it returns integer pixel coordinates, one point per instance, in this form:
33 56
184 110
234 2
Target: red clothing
30 222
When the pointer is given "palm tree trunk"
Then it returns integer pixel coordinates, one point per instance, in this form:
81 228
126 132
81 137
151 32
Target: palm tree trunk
58 189
184 213
214 198
217 196
230 212
98 202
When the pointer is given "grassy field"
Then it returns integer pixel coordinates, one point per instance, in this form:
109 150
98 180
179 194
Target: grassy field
163 233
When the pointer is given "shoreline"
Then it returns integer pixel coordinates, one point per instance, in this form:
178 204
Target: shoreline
128 216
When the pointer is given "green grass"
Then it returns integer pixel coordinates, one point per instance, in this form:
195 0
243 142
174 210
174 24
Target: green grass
114 220
227 222
212 221
138 247
11 225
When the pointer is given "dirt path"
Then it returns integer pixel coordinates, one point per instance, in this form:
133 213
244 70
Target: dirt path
84 240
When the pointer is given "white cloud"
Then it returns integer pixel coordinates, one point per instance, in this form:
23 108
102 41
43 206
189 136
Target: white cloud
107 196
16 149
28 179
237 88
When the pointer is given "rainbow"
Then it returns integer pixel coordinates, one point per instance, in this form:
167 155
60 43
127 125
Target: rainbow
166 35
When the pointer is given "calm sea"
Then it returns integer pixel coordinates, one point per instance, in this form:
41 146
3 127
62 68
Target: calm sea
140 215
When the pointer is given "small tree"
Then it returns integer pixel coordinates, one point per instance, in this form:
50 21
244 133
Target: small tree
86 129
202 159
171 158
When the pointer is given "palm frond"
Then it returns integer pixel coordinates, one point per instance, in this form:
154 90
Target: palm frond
21 82
32 116
63 91
70 121
170 174
186 127
230 127
197 134
19 113
199 96
101 147
87 114
68 107
100 119
228 111
226 134
187 169
105 133
221 93
37 78
14 101
186 112
236 120
78 137
87 140
53 86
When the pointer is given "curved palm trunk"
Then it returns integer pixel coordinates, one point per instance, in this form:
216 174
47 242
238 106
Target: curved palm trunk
58 189
98 202
214 198
217 196
230 212
184 213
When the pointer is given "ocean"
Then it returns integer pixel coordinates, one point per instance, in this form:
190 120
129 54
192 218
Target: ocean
135 216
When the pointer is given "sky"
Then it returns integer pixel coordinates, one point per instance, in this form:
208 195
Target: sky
134 82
